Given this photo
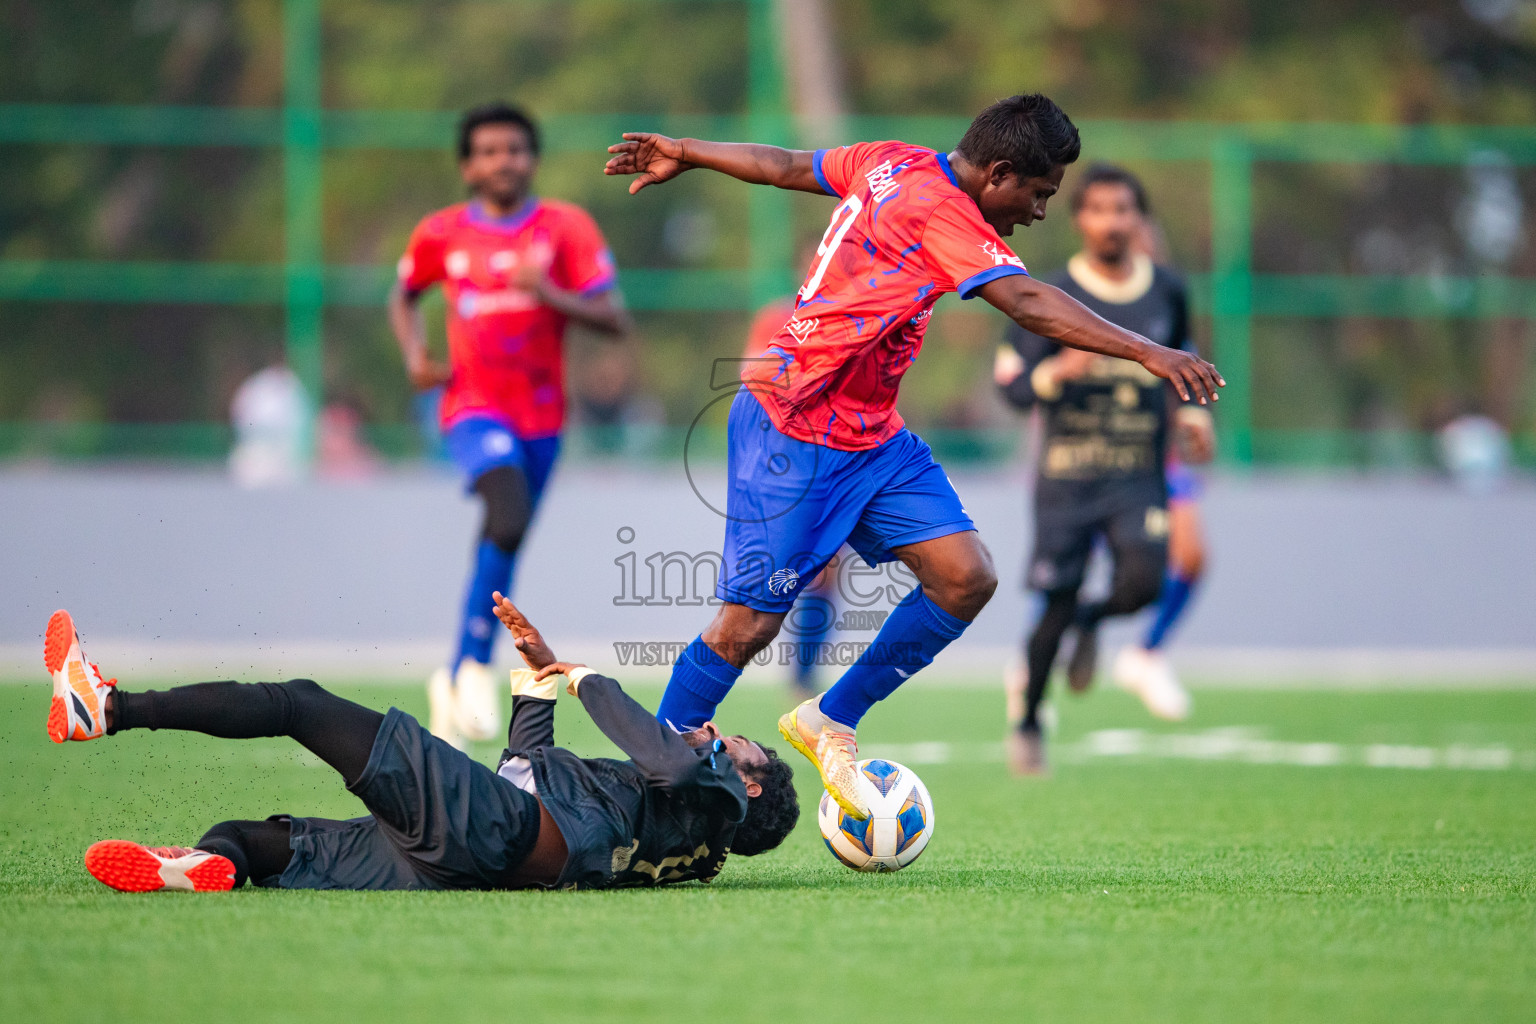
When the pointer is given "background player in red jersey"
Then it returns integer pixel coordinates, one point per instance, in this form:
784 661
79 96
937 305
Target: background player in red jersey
516 269
818 453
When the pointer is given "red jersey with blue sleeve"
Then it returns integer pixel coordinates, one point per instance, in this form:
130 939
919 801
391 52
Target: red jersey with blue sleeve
505 348
904 234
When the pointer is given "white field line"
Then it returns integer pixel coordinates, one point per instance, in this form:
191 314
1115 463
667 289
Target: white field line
970 665
1239 744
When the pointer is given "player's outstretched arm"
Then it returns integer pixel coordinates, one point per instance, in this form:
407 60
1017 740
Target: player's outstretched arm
1052 313
653 159
663 755
533 693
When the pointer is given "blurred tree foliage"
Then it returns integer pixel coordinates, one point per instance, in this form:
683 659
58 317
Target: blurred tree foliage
1338 60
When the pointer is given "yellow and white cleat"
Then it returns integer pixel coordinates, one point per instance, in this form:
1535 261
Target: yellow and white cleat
477 701
79 708
834 752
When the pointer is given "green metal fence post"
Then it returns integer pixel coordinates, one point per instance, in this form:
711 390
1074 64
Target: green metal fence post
769 213
1232 292
304 255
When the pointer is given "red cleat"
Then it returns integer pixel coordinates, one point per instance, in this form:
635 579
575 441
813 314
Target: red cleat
79 708
129 867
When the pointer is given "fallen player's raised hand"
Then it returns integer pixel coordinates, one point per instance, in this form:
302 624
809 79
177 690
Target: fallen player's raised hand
1192 377
529 643
655 158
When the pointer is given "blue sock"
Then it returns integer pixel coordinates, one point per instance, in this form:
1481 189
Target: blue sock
1170 605
815 626
493 571
915 633
700 680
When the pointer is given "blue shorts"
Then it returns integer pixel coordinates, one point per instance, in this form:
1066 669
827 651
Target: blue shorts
1184 484
481 443
791 504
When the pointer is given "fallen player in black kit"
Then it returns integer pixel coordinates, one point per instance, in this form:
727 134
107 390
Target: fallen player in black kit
439 820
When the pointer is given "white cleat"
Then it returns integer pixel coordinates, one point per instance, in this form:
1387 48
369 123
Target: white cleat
477 701
1130 668
1148 675
443 720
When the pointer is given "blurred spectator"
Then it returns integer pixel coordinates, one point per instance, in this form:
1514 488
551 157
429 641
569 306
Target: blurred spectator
269 412
1475 451
618 416
342 452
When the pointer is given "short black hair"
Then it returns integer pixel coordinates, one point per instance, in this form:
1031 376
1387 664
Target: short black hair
1029 130
495 113
772 814
1109 174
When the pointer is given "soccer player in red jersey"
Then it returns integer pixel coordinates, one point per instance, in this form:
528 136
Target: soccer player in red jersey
515 269
818 452
817 608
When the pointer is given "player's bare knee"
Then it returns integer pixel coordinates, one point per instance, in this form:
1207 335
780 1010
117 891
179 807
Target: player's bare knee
739 633
964 591
506 535
758 635
980 584
1189 565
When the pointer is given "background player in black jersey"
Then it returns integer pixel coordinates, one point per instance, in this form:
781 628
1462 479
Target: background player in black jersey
1106 426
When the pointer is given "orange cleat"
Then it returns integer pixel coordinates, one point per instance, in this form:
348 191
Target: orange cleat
79 709
129 867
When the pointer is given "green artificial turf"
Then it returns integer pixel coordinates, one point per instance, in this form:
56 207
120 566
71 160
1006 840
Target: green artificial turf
1155 888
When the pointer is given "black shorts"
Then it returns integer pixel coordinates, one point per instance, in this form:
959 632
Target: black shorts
439 821
1130 513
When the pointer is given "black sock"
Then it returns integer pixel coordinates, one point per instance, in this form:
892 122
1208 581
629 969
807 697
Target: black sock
1040 652
336 730
258 849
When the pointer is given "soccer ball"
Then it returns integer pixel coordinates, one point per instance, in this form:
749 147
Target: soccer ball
899 825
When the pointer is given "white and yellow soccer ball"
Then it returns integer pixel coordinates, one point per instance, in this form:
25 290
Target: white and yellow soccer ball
899 825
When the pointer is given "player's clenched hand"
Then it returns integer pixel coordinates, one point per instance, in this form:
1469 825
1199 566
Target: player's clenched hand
559 668
426 374
524 637
1192 377
530 277
655 158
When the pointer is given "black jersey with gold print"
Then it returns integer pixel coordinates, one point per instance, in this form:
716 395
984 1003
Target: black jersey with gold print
668 814
1113 421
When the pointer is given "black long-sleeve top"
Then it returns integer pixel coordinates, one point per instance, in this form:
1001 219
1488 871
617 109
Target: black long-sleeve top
667 814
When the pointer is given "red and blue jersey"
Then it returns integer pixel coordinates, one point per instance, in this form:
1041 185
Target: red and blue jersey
904 234
505 348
